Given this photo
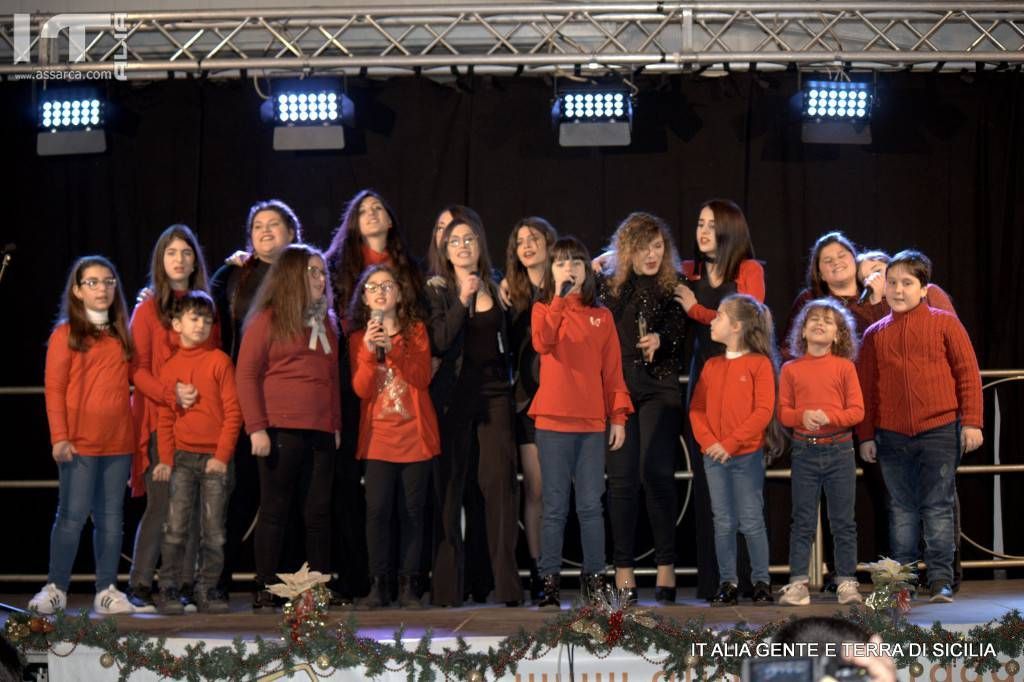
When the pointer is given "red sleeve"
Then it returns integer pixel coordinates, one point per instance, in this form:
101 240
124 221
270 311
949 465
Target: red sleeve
364 366
938 298
413 364
853 400
964 367
253 359
789 416
214 340
165 434
867 373
232 411
617 404
545 319
702 432
147 331
750 279
57 378
757 421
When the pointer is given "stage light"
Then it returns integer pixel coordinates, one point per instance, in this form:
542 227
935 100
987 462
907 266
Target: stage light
310 114
836 112
70 121
594 117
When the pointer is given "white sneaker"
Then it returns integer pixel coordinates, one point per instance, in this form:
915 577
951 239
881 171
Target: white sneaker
795 594
848 592
48 600
111 601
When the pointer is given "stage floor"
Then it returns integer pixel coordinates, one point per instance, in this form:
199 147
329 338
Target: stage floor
977 602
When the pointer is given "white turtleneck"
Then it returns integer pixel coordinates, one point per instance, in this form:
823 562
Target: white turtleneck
100 318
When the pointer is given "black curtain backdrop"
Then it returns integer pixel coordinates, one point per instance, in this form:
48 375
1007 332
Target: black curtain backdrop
945 174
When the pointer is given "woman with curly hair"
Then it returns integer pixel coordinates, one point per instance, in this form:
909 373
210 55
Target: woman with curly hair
639 292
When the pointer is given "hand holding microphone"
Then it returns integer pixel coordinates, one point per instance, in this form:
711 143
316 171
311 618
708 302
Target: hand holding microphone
473 284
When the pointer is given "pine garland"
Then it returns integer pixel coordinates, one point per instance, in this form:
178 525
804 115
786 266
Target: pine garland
596 629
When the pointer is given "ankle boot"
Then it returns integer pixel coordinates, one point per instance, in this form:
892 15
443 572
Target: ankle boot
407 598
593 588
378 597
536 584
552 585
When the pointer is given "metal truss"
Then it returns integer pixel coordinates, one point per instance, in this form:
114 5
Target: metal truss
535 38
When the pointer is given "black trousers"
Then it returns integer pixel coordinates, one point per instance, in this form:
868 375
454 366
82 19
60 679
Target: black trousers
488 420
391 484
300 466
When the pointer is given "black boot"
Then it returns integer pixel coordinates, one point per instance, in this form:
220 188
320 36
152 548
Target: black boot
378 597
407 598
536 584
593 588
552 584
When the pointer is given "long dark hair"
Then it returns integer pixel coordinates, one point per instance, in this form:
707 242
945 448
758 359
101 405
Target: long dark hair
407 311
814 282
72 310
732 239
344 257
570 248
483 264
520 288
285 293
158 280
435 255
291 221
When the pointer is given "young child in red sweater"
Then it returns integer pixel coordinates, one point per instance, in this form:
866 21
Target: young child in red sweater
581 390
820 399
732 412
195 445
398 432
923 408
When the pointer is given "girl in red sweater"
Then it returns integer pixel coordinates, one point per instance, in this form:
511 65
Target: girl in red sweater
398 433
820 399
87 369
581 390
731 413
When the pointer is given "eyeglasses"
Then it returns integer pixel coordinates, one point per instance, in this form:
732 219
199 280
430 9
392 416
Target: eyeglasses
455 242
316 272
94 283
373 287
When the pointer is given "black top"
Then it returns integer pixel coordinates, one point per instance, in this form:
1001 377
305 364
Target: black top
526 362
233 289
709 297
483 363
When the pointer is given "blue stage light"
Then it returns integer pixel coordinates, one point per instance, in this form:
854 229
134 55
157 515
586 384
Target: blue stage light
837 100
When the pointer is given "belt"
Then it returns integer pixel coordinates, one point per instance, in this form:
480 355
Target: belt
831 439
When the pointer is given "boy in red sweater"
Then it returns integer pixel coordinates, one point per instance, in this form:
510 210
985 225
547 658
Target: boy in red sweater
195 446
922 409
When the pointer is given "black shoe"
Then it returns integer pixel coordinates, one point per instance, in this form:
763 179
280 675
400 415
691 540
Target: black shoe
665 595
214 601
265 599
550 600
762 593
941 593
188 599
170 602
378 597
727 595
141 597
407 598
536 584
593 588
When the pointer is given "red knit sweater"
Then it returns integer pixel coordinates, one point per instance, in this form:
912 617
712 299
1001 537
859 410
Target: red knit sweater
918 372
211 425
733 403
827 383
283 383
749 280
581 384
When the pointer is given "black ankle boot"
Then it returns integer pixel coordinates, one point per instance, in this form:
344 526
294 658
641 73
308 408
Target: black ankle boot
665 595
727 595
407 598
536 584
552 587
378 597
593 588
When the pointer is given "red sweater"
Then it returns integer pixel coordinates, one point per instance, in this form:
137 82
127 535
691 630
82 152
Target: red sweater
581 384
918 372
211 425
87 395
154 345
385 434
827 383
749 280
282 383
733 403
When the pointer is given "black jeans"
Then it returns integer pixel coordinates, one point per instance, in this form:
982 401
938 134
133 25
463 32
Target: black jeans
300 464
388 483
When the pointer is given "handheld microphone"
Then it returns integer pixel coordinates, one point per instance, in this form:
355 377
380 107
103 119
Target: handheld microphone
378 317
567 286
865 295
472 299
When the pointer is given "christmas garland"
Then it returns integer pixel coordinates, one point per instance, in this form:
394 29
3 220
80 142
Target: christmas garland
306 639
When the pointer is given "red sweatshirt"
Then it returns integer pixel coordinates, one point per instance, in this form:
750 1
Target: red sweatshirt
408 433
581 384
87 393
827 383
918 372
749 280
284 383
733 403
211 425
154 345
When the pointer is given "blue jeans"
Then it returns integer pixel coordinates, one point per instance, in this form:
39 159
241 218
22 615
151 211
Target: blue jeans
737 503
919 472
89 486
833 468
565 459
190 483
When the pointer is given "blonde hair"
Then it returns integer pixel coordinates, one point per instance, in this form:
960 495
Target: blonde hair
633 234
845 345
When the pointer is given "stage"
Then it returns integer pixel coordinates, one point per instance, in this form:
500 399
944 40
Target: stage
484 626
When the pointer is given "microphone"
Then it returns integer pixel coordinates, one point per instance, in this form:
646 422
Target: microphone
865 295
472 299
567 286
378 317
